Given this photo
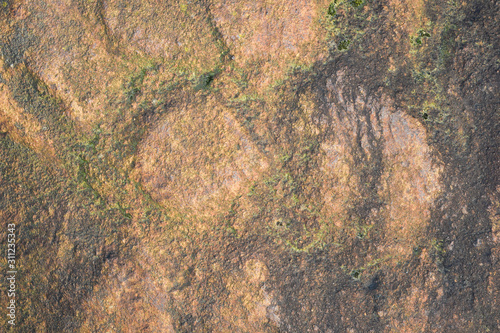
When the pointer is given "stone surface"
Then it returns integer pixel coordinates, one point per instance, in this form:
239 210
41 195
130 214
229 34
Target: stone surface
251 166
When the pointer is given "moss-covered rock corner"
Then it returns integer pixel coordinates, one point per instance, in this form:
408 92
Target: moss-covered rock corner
251 166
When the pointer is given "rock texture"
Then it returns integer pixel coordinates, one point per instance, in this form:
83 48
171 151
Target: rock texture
251 166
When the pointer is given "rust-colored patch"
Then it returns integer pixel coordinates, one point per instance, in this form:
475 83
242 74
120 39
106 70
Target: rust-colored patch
22 126
197 159
129 301
249 304
270 38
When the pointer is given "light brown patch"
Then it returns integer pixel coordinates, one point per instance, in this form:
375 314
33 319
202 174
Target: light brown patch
270 37
22 126
197 159
410 181
249 305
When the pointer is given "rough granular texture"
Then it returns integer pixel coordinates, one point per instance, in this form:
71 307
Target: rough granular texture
251 166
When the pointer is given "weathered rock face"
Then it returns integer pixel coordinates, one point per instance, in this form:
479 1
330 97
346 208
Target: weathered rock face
384 157
199 161
250 166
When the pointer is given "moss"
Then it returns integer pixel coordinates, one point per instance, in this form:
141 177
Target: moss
363 230
356 274
123 212
240 77
332 9
347 21
206 79
343 44
132 89
437 248
418 38
84 178
356 3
